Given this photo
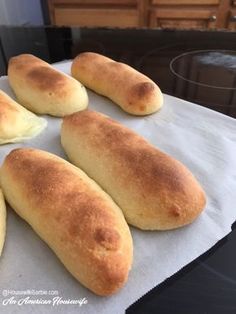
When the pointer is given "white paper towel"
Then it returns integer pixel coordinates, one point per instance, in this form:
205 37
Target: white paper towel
204 140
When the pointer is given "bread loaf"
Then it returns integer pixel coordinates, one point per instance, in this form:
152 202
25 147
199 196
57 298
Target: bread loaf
16 122
155 191
72 214
2 221
44 90
134 92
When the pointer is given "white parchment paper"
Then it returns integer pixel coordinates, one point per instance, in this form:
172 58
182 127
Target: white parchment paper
204 140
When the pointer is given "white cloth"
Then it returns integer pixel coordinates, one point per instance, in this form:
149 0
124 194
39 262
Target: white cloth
204 140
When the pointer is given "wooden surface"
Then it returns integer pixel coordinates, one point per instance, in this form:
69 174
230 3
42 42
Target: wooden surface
96 17
188 2
185 18
200 14
95 2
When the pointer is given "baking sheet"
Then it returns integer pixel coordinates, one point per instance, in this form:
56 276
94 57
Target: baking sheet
204 140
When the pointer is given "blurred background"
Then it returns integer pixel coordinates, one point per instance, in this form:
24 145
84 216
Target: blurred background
23 12
187 14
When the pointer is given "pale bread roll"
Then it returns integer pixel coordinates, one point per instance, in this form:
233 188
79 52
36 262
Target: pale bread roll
155 191
44 90
3 215
17 123
134 92
72 214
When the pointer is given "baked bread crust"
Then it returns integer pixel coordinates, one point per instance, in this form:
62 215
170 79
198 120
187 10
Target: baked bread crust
155 191
134 92
72 214
16 122
44 90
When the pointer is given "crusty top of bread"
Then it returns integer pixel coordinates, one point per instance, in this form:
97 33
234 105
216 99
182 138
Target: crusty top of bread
79 220
43 89
131 90
41 74
139 157
166 193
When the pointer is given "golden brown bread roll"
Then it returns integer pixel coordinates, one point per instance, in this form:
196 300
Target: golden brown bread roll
2 221
72 214
134 92
16 122
44 90
155 191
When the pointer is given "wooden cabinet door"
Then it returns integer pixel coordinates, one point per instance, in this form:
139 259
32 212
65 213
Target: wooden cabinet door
183 18
231 25
231 22
185 14
96 17
95 13
185 2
